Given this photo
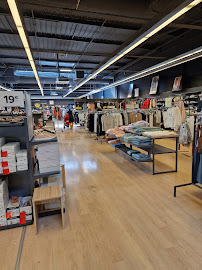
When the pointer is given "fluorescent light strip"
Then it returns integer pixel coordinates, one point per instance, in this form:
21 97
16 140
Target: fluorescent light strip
21 31
183 8
188 56
5 88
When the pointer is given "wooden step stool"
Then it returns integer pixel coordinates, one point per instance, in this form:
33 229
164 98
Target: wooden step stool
44 195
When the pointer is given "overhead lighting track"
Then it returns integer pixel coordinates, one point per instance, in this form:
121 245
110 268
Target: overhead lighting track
180 59
16 17
180 10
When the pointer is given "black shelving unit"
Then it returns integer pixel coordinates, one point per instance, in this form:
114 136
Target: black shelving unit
153 150
21 183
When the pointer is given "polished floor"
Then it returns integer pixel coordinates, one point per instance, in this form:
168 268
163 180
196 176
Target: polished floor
118 215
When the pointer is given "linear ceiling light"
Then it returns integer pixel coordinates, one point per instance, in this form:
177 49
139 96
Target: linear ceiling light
188 56
183 8
5 88
21 31
65 69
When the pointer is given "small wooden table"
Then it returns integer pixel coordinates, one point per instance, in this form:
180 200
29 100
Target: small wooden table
44 195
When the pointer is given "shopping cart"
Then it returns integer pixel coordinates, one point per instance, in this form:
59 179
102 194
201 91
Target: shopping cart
66 120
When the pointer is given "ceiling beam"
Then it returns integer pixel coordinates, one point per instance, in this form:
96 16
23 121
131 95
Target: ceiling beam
116 22
186 26
81 53
46 59
64 37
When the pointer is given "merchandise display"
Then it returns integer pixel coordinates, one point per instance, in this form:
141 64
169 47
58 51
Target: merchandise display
100 126
48 157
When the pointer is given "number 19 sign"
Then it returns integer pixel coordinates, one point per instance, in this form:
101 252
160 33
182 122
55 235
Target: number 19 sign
12 99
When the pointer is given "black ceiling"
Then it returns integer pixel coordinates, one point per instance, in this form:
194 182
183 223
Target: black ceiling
87 33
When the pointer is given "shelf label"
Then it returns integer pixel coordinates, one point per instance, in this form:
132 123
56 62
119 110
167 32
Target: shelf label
12 98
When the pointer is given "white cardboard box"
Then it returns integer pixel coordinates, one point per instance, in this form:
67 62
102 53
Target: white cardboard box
28 217
13 221
22 153
14 209
11 147
12 169
48 147
22 167
49 169
3 224
22 160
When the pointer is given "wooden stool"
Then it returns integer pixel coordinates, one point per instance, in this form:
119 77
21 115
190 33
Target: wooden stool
44 195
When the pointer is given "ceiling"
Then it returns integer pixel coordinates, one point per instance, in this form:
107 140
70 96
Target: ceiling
83 34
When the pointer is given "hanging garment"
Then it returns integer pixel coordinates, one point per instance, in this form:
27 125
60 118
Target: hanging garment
197 162
95 122
126 118
91 122
146 104
107 122
151 120
172 118
168 102
135 117
182 110
158 117
190 122
185 137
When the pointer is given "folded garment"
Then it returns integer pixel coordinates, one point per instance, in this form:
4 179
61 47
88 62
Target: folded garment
114 142
141 157
130 152
140 130
115 132
120 145
117 145
160 134
122 128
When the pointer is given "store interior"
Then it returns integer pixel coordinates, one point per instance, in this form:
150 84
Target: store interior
100 134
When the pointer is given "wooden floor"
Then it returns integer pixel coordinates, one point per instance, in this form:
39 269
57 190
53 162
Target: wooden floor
118 215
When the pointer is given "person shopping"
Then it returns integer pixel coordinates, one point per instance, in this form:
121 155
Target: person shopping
71 118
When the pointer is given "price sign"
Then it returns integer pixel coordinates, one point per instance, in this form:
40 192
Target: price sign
12 99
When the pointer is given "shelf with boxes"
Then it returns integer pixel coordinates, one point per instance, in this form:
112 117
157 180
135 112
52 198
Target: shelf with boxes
23 160
12 158
15 211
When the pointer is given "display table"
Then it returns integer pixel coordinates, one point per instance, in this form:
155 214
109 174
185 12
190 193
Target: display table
152 150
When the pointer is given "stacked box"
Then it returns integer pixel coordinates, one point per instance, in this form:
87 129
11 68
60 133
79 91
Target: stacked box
8 154
4 198
25 210
48 157
13 213
22 162
2 142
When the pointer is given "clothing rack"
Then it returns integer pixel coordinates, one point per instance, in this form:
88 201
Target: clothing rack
193 182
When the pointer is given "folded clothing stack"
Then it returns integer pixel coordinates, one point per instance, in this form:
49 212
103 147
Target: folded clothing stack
137 124
128 138
140 130
130 152
118 145
141 157
115 132
114 142
141 141
160 134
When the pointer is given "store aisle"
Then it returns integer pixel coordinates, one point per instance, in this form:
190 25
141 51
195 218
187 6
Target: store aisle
118 215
